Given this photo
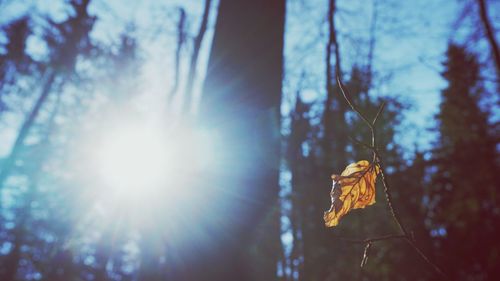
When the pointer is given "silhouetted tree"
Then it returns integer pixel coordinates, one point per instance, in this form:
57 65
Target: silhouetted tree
241 102
465 201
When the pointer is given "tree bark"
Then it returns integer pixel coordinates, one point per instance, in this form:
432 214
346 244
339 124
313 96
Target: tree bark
239 225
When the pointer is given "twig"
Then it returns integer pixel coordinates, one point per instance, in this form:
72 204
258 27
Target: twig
348 100
374 239
388 196
426 259
370 125
365 254
353 139
376 159
380 109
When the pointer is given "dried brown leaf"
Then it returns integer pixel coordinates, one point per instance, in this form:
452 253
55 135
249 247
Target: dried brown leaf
353 189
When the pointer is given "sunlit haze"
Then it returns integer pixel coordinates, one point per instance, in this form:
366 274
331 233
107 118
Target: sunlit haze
135 160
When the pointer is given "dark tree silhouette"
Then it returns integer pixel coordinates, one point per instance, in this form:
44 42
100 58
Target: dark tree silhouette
464 185
241 102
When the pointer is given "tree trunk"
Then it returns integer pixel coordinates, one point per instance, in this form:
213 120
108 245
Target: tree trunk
9 162
241 103
334 142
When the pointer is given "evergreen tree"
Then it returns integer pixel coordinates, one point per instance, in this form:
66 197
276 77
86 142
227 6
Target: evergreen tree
464 186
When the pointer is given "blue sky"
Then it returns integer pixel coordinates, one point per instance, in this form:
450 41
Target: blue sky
411 39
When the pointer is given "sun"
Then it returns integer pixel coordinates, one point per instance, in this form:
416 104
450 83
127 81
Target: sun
140 169
135 160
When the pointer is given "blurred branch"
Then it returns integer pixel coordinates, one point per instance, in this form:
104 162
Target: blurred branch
490 34
194 56
181 38
380 109
387 189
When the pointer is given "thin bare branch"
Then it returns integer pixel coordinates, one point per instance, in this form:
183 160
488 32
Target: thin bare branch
347 97
353 139
380 109
376 159
373 239
426 259
365 254
388 196
370 241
